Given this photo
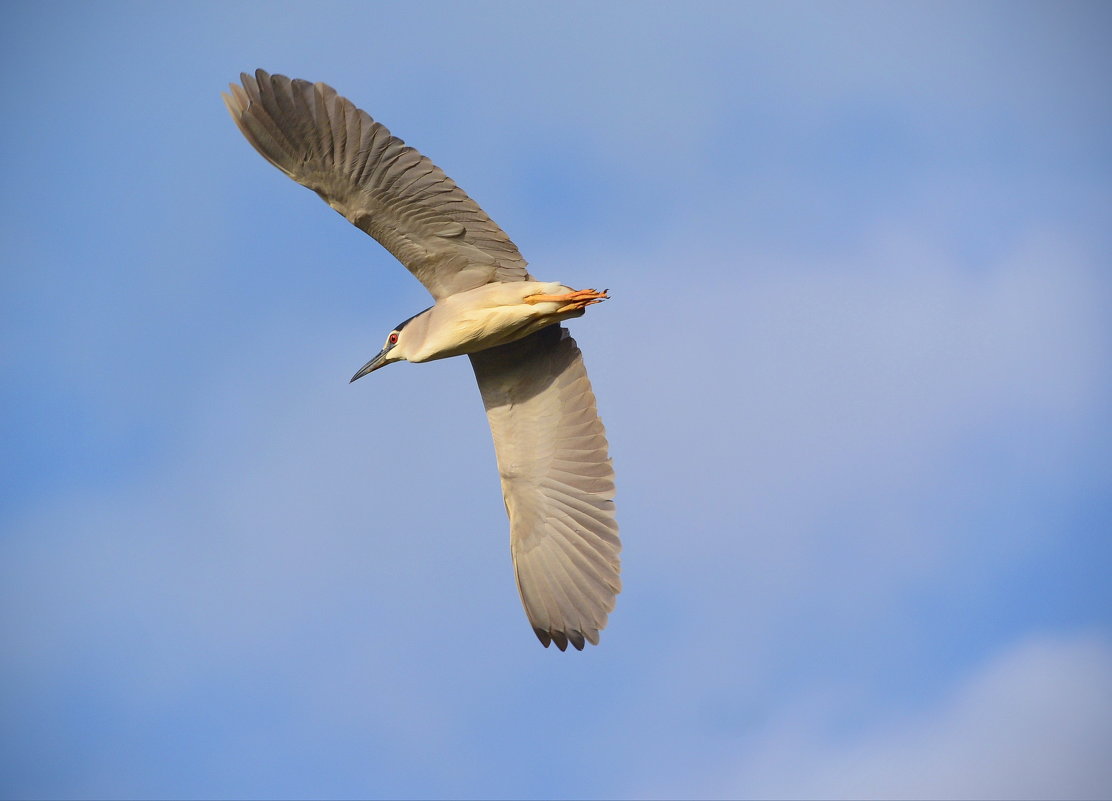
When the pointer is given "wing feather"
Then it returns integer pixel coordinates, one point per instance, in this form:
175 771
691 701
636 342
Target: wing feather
557 481
375 180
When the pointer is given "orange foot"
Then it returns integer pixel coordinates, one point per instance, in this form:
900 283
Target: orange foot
573 301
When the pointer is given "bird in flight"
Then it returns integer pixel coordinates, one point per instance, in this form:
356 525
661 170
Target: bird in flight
557 478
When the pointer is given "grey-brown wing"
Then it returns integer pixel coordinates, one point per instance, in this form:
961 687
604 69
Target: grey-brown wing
375 180
557 481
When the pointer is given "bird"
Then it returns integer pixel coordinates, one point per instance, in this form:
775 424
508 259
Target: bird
550 444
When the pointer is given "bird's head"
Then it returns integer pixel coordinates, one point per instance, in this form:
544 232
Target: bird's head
394 349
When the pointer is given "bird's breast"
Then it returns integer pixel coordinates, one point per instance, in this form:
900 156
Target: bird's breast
487 317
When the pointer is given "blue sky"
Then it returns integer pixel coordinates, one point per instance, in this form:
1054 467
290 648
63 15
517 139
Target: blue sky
855 375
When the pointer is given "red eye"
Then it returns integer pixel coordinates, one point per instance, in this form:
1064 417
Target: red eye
392 339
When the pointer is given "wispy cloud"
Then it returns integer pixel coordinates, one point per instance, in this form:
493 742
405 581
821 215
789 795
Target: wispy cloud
1034 721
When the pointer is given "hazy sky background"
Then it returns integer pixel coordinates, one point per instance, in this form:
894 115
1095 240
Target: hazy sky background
856 374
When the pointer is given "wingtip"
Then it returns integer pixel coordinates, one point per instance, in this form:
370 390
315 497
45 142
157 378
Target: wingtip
577 639
230 102
236 99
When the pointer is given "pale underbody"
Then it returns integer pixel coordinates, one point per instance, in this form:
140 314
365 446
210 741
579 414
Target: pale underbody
492 315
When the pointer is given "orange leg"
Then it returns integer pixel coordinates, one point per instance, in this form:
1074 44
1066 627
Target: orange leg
573 301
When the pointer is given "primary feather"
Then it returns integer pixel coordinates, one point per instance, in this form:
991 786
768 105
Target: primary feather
380 184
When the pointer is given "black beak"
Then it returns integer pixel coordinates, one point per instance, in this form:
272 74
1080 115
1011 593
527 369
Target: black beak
371 366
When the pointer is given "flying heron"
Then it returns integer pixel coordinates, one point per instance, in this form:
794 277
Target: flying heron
557 479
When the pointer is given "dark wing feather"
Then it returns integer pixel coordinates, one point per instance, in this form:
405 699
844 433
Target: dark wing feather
375 180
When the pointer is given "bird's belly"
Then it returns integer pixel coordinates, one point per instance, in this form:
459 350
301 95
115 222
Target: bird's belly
490 316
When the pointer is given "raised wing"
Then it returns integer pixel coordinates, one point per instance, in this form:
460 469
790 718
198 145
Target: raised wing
557 482
375 180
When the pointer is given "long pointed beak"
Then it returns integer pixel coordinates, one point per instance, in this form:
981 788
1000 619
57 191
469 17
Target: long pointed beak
371 366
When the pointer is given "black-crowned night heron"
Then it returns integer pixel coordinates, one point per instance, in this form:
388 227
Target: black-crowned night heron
557 480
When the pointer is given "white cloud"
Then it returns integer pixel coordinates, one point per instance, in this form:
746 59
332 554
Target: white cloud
1033 722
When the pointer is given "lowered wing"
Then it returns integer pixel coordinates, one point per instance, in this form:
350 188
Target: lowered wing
557 482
